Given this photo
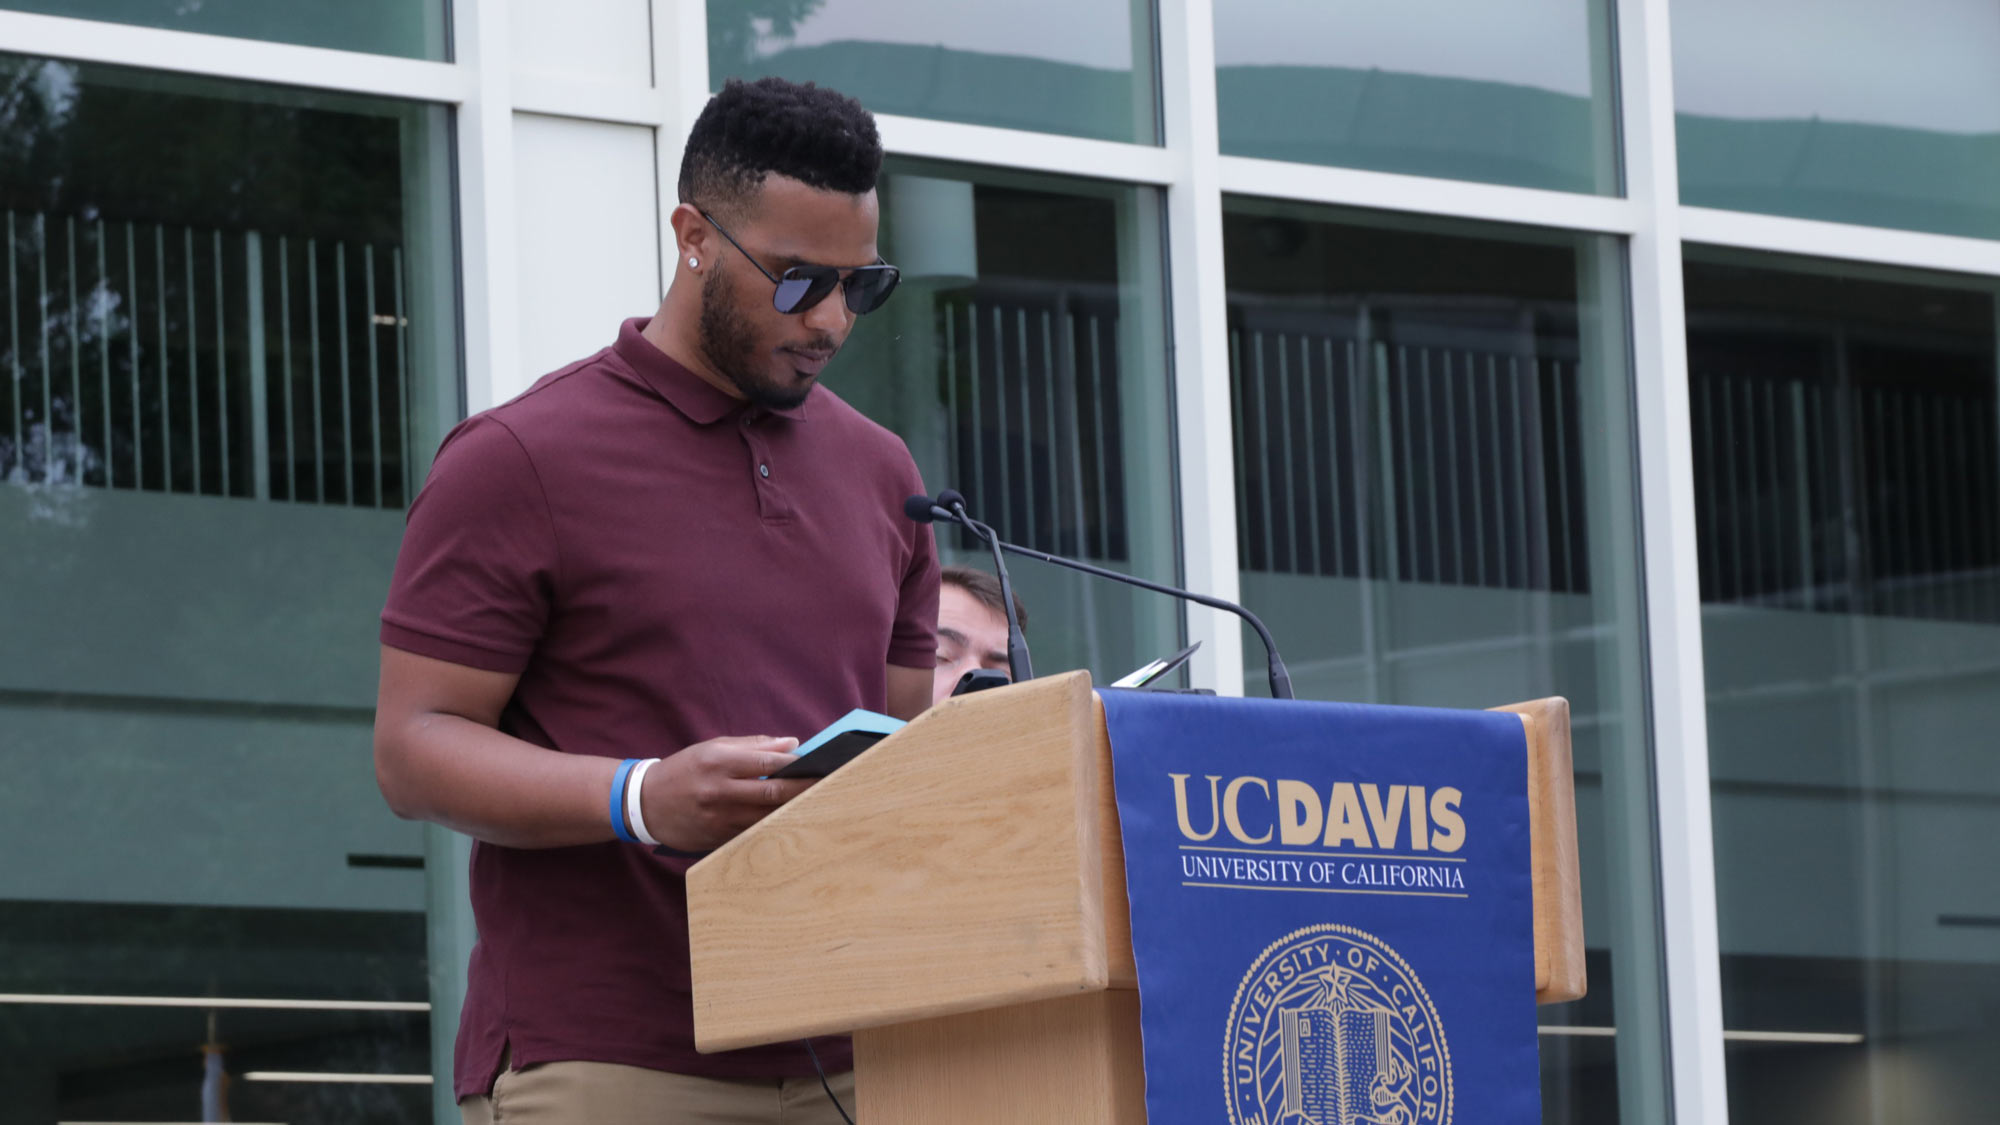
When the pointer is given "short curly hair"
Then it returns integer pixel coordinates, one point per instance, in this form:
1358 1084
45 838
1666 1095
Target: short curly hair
984 589
748 130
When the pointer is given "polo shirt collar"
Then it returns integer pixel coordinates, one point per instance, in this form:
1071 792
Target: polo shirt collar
701 401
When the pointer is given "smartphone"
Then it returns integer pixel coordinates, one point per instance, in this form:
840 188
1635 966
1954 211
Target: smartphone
832 754
979 679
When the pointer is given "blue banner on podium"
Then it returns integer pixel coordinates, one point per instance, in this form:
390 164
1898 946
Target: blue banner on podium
1331 911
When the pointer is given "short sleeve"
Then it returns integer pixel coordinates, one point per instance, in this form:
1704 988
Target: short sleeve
913 644
476 575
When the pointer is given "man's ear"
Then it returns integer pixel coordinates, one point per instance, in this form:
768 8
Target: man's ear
693 237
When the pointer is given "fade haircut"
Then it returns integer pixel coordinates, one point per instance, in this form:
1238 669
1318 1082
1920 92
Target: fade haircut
748 130
985 589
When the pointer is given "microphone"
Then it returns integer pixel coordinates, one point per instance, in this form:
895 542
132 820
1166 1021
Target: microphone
923 509
951 505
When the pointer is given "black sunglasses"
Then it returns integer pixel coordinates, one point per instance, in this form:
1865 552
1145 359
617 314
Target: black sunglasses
802 287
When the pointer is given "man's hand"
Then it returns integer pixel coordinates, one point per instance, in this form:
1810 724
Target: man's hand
701 797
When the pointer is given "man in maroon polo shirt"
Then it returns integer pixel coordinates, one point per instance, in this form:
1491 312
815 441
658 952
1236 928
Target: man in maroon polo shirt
679 548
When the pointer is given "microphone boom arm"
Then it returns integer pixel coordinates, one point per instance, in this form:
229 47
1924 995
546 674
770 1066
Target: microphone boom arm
1281 679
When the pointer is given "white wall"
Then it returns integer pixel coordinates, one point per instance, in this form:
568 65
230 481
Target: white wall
607 42
588 221
585 192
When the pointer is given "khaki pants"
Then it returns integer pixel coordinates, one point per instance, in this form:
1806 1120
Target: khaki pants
560 1093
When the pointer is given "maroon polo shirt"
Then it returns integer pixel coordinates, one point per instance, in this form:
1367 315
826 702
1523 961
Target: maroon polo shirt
661 564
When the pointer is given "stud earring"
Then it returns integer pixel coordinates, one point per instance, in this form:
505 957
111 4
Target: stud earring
692 263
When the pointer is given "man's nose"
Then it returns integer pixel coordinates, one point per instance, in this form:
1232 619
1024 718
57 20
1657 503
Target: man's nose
831 315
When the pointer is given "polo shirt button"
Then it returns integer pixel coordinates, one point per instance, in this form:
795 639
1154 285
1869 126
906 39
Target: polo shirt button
763 470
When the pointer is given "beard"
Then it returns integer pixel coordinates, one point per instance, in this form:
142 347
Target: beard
730 344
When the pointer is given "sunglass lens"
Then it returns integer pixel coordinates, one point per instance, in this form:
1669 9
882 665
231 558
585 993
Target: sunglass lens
867 288
799 290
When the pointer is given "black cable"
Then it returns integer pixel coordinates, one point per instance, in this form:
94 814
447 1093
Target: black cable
824 1084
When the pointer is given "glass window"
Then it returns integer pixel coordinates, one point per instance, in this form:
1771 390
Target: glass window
1512 92
1023 359
412 29
1079 67
1845 110
1845 425
229 343
1435 506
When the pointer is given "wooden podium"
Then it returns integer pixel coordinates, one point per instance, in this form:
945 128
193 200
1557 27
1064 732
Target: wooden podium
955 897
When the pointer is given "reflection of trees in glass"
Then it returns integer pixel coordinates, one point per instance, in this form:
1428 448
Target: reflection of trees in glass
37 98
203 293
737 27
107 142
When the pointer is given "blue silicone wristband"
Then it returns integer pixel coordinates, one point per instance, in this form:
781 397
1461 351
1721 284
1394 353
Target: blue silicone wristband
618 800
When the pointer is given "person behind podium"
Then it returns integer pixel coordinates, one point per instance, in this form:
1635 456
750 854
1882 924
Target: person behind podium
621 599
972 627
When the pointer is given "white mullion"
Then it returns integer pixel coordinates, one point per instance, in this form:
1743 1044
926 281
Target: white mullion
1198 316
1679 710
249 60
1814 238
1390 191
588 101
1035 152
680 59
489 238
680 75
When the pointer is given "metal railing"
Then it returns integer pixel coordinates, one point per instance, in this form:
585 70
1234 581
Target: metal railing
1825 497
1411 462
1031 391
165 358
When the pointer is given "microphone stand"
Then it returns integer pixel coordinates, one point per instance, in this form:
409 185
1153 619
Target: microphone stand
1020 668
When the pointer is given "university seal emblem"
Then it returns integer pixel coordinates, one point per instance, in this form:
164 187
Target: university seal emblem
1331 1027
